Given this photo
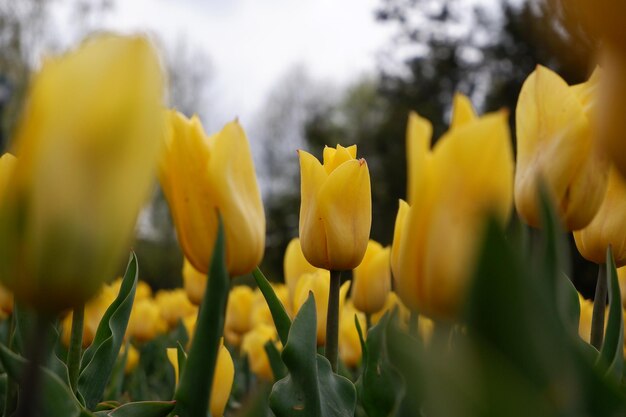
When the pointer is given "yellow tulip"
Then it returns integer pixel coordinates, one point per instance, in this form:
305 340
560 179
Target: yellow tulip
239 310
371 280
336 208
608 227
145 322
295 265
584 324
174 306
222 379
194 282
391 303
621 275
202 175
87 144
452 190
253 345
318 283
349 341
556 145
132 358
260 312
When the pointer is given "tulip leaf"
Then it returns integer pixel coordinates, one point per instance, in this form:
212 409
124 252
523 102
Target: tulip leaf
276 363
181 356
99 359
568 303
140 409
613 346
193 393
279 314
56 397
380 387
310 389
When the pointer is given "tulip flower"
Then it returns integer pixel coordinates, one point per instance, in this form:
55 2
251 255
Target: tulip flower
253 345
222 379
349 341
318 283
87 145
174 306
145 322
608 227
336 208
371 280
556 146
239 309
201 175
452 190
295 265
194 282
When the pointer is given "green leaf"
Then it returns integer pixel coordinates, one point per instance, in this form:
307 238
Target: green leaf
380 387
143 409
99 359
193 393
279 314
568 303
612 352
56 397
311 388
182 357
276 363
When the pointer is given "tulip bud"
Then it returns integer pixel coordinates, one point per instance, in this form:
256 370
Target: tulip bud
295 265
239 309
318 283
556 145
349 341
201 175
452 190
87 145
253 345
174 306
222 379
194 282
371 280
145 322
336 208
608 227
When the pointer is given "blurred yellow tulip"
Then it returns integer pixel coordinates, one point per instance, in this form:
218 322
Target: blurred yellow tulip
94 311
260 312
452 190
253 345
556 144
87 143
7 165
295 265
202 175
584 324
371 281
174 306
621 276
142 290
336 208
194 282
318 283
392 302
239 310
608 227
132 358
145 322
222 379
349 342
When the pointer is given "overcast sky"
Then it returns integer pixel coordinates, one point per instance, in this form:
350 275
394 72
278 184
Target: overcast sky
252 43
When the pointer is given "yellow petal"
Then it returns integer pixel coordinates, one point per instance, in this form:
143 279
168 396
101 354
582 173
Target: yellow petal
372 279
335 157
345 209
172 356
462 111
233 182
194 282
398 230
295 264
418 137
312 232
222 382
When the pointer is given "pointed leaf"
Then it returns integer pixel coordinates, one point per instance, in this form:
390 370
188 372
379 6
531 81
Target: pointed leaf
279 314
276 363
613 346
99 359
143 409
311 388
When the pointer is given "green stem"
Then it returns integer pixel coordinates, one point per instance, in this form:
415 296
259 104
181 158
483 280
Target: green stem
332 319
76 346
599 306
10 397
368 321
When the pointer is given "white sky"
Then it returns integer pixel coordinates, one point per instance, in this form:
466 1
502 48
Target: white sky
252 43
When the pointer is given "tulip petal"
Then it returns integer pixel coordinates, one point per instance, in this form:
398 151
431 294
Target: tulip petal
335 157
396 247
418 138
462 111
235 189
312 232
345 208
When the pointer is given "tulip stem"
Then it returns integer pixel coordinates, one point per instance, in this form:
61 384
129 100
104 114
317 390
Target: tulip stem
599 306
368 321
76 345
332 319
